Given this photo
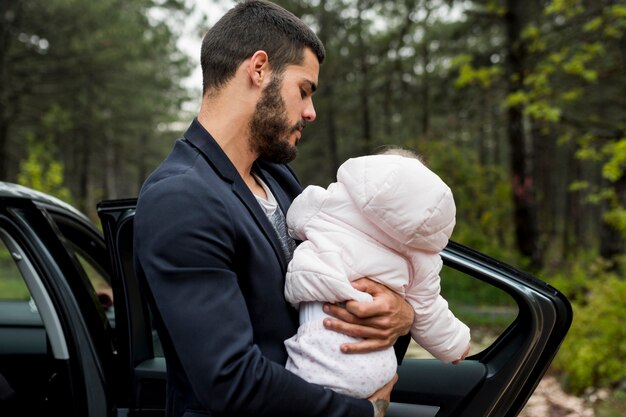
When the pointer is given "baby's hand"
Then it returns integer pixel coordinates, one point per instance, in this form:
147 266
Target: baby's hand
462 357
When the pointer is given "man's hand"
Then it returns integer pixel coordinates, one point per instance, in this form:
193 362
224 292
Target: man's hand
381 398
380 322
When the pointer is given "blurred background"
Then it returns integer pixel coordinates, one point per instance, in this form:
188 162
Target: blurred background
520 106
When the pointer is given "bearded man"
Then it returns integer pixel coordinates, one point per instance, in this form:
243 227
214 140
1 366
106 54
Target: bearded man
211 247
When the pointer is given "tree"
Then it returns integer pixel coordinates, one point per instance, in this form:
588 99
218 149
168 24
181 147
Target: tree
112 67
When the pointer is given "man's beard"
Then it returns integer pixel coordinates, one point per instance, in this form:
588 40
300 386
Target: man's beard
269 127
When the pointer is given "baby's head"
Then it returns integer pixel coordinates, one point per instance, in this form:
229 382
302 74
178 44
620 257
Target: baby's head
394 150
401 196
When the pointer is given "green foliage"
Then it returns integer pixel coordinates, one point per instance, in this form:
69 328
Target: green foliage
541 110
107 77
615 164
616 217
567 8
12 286
594 351
614 406
14 289
40 170
574 279
612 156
482 196
460 290
469 75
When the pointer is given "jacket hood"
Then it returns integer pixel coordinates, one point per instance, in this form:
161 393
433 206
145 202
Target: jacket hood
402 197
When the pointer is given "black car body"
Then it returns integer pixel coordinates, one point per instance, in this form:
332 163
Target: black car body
66 348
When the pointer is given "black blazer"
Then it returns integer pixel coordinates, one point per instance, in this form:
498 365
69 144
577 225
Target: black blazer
214 270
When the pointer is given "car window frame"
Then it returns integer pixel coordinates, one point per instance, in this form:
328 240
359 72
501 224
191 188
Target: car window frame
39 294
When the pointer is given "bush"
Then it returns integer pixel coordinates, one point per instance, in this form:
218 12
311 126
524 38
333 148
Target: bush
594 352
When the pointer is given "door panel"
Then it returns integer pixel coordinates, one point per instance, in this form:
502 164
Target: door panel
143 391
434 387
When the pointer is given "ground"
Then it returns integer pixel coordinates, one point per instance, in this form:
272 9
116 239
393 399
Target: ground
549 400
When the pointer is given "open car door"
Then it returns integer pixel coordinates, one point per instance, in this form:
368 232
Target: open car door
496 380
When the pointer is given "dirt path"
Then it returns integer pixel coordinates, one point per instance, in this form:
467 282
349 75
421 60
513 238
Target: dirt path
549 400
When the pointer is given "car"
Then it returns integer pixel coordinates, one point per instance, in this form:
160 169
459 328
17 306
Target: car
76 335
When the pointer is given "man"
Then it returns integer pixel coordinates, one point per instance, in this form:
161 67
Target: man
210 241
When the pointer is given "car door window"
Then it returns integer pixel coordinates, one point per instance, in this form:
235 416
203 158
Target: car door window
99 281
91 259
12 286
485 309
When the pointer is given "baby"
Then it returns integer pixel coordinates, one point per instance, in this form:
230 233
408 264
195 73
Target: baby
386 218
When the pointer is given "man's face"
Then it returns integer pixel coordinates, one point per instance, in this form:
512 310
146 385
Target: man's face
284 108
270 126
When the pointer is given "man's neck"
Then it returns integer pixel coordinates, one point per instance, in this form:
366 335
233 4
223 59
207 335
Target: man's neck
231 131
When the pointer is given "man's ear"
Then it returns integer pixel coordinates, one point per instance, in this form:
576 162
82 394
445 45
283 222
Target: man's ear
258 67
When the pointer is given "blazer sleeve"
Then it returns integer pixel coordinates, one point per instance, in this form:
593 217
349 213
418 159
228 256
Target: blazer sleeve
186 255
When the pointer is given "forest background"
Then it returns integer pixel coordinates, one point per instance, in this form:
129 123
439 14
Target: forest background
520 106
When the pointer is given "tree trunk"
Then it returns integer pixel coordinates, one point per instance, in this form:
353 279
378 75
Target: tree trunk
331 125
543 180
572 225
331 114
110 168
4 155
425 109
523 193
84 190
612 239
9 14
364 85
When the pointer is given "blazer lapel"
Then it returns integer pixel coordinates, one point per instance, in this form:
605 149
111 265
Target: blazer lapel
215 156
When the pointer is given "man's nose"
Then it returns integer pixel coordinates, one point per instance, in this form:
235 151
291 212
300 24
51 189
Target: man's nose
309 112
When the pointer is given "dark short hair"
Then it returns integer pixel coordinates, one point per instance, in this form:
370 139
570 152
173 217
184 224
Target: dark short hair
251 26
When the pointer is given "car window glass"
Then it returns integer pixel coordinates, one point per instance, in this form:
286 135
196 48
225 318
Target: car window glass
90 255
100 284
486 310
12 286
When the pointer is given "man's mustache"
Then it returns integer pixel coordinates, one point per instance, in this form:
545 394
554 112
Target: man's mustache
298 126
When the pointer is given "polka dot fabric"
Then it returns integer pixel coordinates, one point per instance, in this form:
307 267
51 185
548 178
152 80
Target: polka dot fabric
315 355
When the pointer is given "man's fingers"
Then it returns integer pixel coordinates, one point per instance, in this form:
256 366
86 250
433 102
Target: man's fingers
357 330
366 310
364 346
365 285
379 322
340 313
358 313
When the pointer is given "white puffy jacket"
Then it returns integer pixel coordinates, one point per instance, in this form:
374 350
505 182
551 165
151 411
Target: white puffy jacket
386 218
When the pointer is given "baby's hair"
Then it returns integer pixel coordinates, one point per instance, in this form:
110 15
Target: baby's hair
395 150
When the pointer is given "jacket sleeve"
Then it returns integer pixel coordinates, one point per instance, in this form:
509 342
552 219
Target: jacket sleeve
435 327
186 254
320 275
